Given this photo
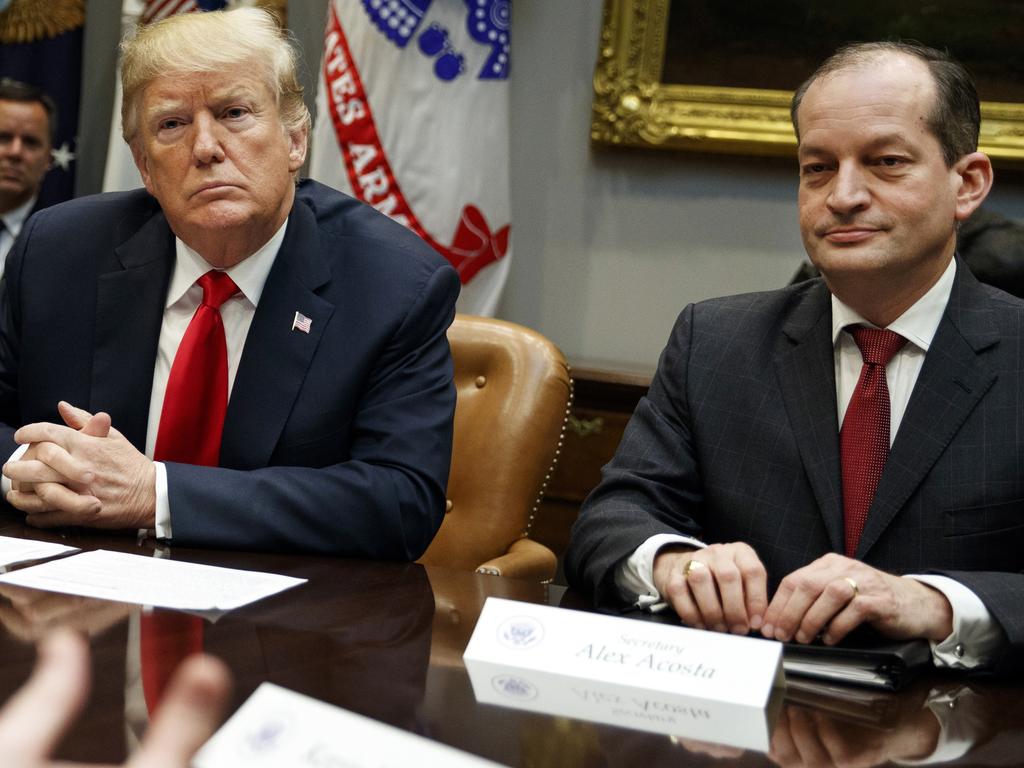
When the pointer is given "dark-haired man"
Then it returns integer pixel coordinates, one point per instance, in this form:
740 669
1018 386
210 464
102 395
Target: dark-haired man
27 125
845 451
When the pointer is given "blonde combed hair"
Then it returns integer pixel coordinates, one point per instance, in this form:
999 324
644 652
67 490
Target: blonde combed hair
191 43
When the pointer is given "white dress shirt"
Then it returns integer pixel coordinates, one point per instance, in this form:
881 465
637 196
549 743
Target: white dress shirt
183 299
976 637
13 221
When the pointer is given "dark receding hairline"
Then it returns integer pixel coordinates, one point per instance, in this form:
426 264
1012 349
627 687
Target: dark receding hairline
955 115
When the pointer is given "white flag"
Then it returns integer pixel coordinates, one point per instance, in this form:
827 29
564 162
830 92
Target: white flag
413 119
120 172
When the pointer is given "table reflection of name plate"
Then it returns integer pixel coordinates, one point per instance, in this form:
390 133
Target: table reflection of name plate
651 677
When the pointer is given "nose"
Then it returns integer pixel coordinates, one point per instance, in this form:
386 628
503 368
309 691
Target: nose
206 146
849 192
12 148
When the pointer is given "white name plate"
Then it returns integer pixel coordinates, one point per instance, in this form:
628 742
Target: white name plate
609 669
639 709
277 727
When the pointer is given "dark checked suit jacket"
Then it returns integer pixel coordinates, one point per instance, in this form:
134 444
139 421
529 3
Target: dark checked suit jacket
737 440
335 441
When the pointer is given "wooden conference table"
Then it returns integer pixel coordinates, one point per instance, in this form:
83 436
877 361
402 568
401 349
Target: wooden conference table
386 640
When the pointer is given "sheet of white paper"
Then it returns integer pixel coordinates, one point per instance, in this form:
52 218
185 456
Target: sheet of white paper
14 550
151 581
277 727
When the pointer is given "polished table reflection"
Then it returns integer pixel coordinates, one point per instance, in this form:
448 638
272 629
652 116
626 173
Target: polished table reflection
386 640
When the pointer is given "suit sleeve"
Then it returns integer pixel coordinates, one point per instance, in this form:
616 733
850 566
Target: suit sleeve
1003 595
10 348
386 500
651 486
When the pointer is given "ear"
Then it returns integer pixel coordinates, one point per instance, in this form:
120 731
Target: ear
973 177
298 142
142 163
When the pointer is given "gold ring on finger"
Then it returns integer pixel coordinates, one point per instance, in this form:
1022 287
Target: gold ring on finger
853 585
692 565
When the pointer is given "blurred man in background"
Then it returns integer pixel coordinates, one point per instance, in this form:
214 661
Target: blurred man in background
28 121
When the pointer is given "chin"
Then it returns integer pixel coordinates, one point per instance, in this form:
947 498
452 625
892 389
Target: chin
219 216
851 261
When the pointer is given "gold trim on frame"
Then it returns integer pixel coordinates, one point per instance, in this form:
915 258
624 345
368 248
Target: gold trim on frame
632 107
26 22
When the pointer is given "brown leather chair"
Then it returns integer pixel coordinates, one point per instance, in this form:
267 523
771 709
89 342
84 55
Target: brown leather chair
514 393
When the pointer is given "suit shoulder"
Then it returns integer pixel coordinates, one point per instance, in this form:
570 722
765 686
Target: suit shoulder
111 213
762 309
370 234
374 261
1001 300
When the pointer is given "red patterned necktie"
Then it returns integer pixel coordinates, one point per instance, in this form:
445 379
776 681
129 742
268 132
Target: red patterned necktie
191 423
864 438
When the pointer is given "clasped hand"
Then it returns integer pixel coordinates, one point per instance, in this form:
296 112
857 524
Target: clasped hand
724 588
83 473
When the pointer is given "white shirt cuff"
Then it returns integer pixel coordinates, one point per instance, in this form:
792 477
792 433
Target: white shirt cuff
634 576
976 638
162 529
5 482
960 725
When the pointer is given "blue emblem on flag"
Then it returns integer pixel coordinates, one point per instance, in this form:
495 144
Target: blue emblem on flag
397 19
435 42
487 22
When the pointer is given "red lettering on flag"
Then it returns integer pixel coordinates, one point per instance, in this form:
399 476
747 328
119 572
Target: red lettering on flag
474 245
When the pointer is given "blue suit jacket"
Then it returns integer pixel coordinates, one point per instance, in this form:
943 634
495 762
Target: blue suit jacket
738 440
335 441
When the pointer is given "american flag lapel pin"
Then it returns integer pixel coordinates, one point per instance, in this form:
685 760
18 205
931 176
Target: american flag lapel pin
301 323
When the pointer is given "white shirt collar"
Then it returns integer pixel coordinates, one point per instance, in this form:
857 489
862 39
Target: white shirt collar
918 324
15 217
250 274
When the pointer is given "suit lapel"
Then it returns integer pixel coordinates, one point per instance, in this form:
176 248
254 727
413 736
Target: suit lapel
276 357
129 312
952 381
805 367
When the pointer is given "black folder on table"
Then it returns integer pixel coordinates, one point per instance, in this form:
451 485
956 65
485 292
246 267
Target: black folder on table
875 708
861 660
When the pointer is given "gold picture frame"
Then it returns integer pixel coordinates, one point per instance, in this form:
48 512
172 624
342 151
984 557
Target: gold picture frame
633 107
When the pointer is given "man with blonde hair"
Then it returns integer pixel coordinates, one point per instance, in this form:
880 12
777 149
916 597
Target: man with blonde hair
238 360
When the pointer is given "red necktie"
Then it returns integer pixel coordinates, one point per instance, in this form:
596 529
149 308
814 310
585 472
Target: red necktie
864 437
196 399
191 424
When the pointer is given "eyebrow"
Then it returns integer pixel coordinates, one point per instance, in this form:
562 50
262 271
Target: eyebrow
891 139
172 102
